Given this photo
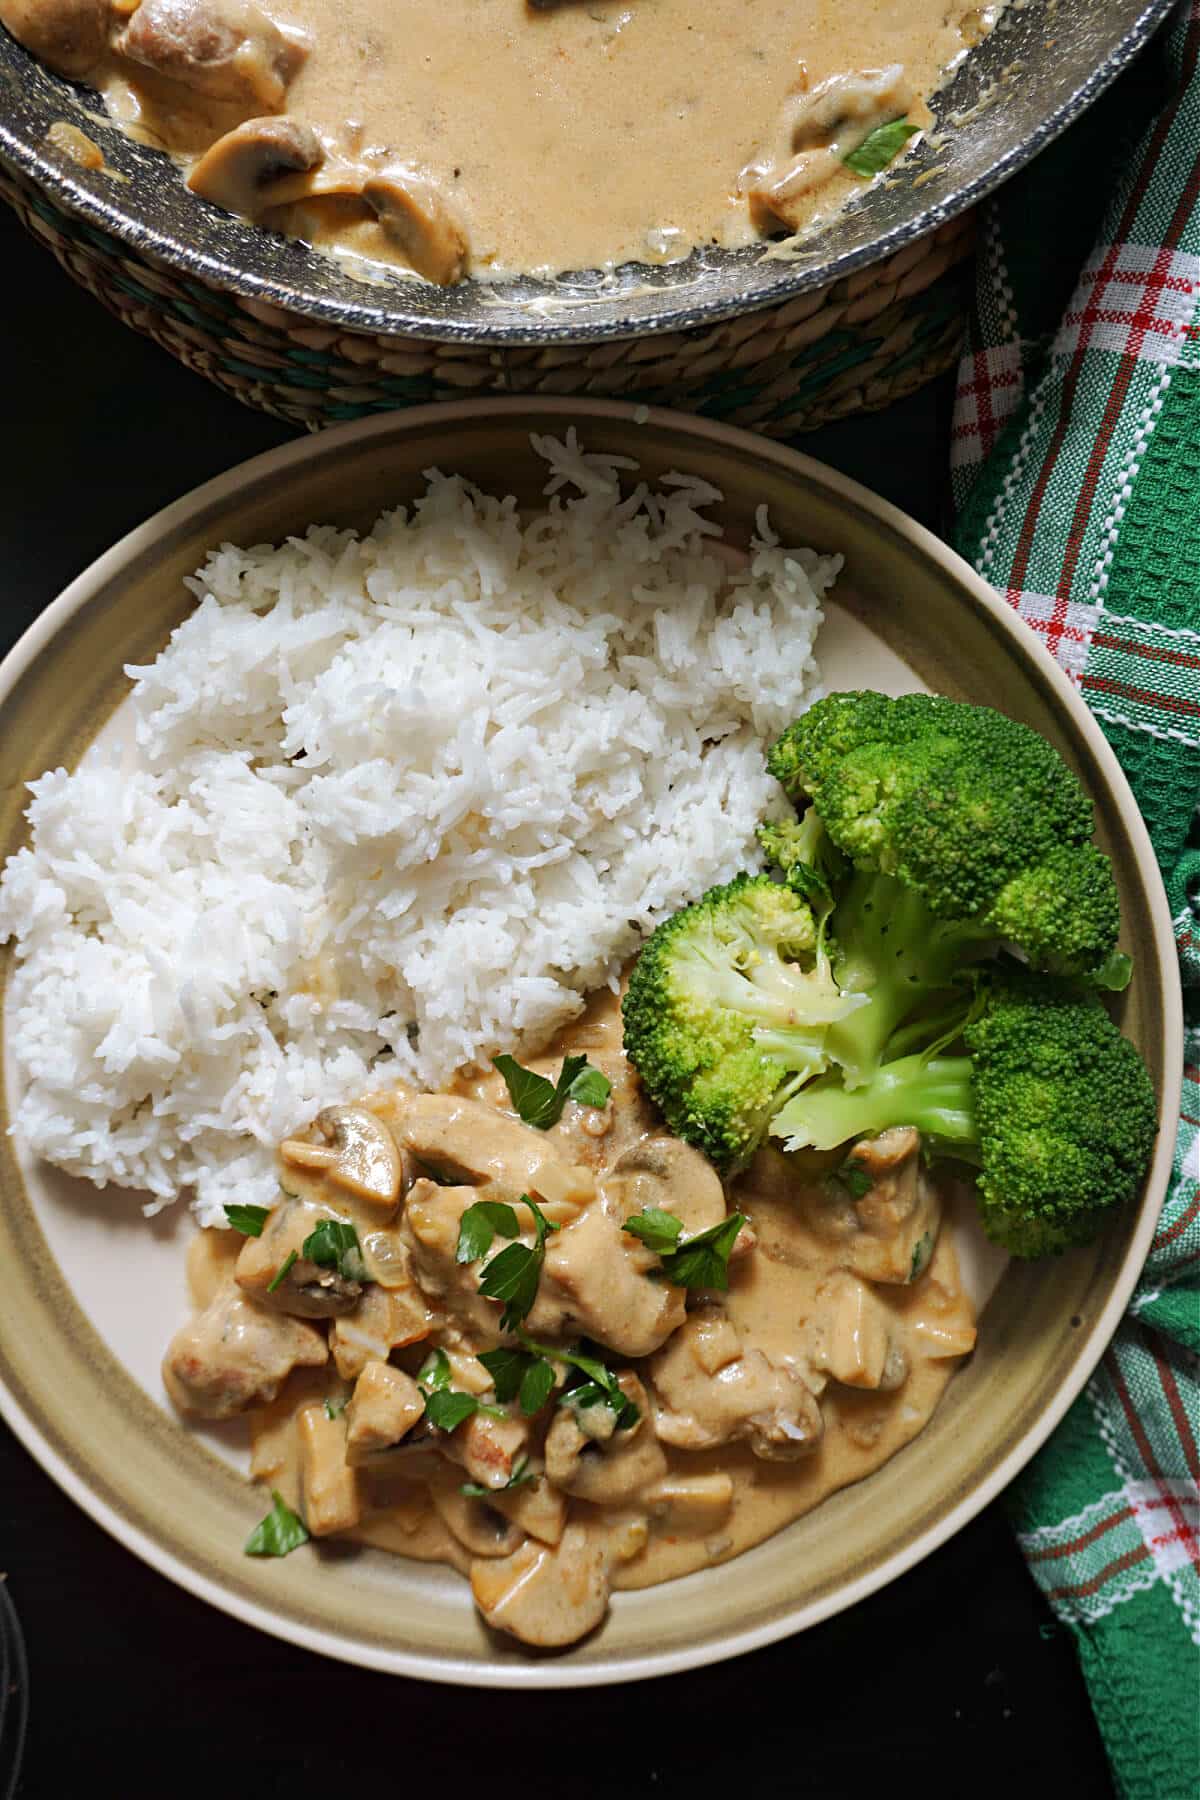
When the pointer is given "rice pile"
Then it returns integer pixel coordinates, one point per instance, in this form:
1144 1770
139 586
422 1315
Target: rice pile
398 802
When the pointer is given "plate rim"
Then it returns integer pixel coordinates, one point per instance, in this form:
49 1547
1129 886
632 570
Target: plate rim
279 463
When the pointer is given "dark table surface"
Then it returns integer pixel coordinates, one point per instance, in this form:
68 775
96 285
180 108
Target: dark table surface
955 1676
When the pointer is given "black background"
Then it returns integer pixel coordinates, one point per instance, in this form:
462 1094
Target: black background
955 1677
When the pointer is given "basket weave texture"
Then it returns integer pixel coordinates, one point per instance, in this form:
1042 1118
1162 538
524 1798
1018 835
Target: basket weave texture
854 346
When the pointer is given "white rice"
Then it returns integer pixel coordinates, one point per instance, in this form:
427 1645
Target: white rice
398 802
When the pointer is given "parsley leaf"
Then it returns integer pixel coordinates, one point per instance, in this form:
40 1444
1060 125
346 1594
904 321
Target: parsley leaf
521 1473
249 1220
856 1180
282 1272
921 1256
479 1225
334 1410
591 1393
334 1244
434 1373
279 1533
513 1275
660 1230
538 1101
590 1087
537 1384
507 1369
703 1261
600 1383
447 1408
880 147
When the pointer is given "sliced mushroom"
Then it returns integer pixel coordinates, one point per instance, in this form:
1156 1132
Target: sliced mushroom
534 1507
664 1172
546 1596
853 1337
234 1355
228 50
358 1152
610 1471
818 128
417 220
69 36
383 1409
461 1140
307 1289
328 1485
248 170
382 1321
476 1524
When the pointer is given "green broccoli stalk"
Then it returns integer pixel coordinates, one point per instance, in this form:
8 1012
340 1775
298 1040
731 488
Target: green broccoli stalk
727 1011
1050 1102
963 830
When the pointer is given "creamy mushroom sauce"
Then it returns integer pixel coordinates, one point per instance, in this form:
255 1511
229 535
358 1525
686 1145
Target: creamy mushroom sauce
526 137
695 1506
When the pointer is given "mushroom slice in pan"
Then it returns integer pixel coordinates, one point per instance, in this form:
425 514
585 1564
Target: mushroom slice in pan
417 220
228 50
244 170
546 1596
69 36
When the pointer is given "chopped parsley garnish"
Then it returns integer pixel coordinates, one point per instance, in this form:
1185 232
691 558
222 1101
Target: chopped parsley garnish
703 1261
334 1244
434 1372
856 1180
660 1231
521 1473
698 1262
249 1220
334 1409
513 1276
447 1407
540 1102
527 1376
479 1225
282 1272
279 1533
922 1252
880 147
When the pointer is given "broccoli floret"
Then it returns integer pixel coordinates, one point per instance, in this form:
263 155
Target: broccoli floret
965 830
726 1013
1050 1102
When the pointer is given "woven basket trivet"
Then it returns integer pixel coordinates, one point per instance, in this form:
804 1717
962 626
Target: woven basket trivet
852 347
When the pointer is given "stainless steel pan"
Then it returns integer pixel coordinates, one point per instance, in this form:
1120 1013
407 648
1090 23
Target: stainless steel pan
1047 60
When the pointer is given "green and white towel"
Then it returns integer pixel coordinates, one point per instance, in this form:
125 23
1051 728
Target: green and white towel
1076 474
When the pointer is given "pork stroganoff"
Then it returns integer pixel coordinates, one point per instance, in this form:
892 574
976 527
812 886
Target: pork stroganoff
624 1419
499 137
569 1027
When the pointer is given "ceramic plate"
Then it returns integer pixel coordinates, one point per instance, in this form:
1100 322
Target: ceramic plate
94 1291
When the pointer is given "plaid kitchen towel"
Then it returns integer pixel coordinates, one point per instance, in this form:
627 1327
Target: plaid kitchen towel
1076 475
